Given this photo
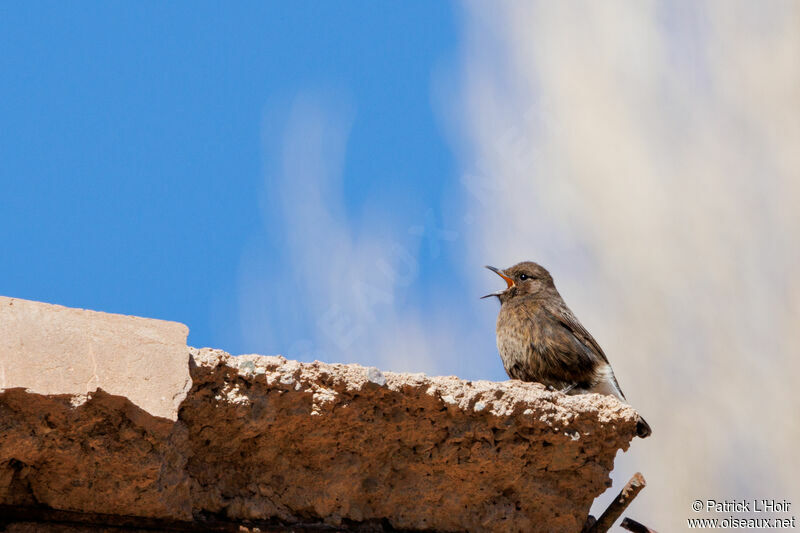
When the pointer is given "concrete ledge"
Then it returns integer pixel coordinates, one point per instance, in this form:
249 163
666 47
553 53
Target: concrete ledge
50 349
265 439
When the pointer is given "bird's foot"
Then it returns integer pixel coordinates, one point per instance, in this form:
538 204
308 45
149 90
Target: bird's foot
568 388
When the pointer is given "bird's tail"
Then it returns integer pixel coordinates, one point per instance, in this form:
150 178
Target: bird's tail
607 384
643 428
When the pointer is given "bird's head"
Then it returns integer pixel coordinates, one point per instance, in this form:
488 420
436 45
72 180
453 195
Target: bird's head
523 278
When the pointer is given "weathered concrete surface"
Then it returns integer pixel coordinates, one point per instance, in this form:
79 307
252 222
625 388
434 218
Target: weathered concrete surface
263 438
271 437
101 455
50 349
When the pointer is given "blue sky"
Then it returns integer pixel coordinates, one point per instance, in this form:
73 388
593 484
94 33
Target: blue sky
138 142
326 180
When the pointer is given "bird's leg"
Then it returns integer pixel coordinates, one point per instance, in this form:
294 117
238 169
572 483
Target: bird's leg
568 388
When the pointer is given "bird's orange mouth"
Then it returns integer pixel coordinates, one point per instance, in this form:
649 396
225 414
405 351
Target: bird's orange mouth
499 272
509 281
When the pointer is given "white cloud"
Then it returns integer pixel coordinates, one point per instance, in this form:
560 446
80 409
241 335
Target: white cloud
325 285
646 153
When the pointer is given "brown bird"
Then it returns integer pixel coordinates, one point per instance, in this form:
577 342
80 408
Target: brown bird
539 339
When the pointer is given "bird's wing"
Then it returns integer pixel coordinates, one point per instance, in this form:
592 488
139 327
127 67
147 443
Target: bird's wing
562 314
562 356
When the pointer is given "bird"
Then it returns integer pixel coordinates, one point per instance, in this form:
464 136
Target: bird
540 339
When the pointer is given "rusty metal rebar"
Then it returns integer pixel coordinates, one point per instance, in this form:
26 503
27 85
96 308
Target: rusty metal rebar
620 503
632 525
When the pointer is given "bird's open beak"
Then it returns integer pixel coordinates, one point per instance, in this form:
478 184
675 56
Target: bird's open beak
499 272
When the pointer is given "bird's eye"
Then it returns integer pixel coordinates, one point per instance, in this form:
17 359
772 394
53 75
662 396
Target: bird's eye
523 277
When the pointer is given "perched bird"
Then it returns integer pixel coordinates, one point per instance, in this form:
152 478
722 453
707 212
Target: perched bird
539 339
